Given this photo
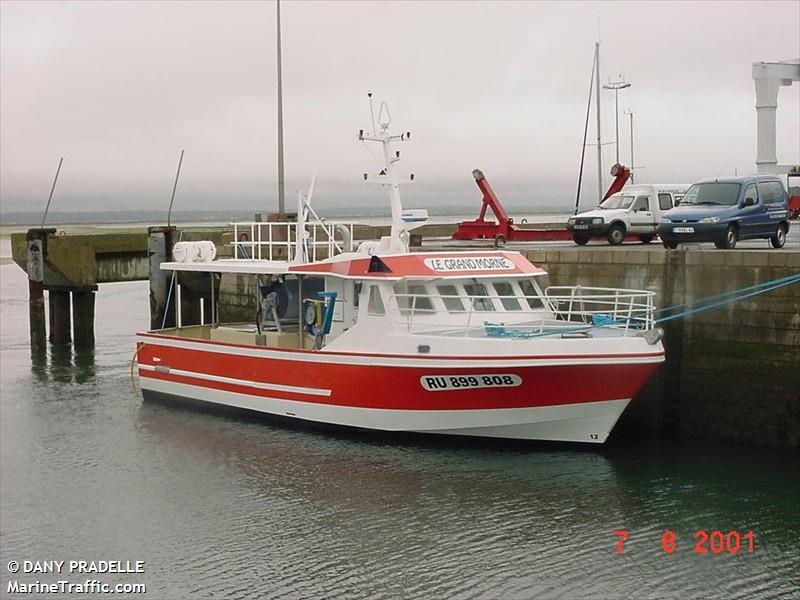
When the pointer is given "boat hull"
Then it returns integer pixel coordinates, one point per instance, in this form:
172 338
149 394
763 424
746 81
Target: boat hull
558 398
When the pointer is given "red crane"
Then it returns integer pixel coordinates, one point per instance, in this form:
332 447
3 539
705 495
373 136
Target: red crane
504 229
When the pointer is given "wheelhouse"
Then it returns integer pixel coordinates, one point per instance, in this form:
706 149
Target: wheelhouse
310 306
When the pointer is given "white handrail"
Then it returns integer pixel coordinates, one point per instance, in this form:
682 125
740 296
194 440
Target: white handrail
628 311
261 243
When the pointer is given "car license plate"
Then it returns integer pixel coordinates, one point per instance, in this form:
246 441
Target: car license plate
683 230
581 227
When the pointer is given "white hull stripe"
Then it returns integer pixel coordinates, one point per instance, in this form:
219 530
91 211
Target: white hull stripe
274 387
566 422
400 361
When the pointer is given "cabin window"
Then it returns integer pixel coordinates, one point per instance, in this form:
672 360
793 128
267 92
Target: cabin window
777 190
419 300
477 291
770 191
412 297
531 293
664 201
507 296
450 298
750 192
642 203
616 201
375 303
765 192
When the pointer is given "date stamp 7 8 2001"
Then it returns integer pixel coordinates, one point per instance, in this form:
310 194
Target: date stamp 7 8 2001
705 542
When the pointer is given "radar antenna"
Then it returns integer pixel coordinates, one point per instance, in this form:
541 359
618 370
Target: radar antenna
402 221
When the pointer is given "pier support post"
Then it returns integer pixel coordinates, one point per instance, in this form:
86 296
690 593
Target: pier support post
36 317
60 321
50 314
190 307
36 240
83 318
159 249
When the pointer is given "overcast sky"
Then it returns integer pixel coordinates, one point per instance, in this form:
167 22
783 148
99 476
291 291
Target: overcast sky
118 89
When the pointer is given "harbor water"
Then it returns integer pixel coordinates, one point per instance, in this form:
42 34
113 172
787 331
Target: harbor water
227 506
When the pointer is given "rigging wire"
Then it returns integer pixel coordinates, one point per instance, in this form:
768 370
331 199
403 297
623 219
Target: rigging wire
169 294
52 189
585 134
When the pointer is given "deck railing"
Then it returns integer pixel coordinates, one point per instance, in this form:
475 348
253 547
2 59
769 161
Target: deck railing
606 307
561 310
278 240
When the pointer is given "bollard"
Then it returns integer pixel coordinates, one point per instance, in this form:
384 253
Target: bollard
83 318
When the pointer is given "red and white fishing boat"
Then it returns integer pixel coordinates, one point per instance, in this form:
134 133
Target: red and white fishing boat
380 338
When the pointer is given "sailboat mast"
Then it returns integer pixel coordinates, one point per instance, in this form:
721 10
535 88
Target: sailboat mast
585 134
599 142
281 190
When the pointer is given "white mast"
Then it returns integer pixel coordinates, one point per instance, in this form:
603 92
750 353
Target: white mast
402 221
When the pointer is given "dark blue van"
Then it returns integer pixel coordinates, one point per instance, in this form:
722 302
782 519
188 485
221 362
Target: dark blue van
724 211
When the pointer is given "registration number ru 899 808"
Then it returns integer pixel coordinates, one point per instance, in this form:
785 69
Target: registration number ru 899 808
441 383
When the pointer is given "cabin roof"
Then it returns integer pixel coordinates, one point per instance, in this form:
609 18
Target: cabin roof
415 265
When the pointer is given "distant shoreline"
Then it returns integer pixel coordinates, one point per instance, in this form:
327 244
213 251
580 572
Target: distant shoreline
27 219
86 220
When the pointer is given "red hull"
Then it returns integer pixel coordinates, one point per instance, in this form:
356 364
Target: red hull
356 381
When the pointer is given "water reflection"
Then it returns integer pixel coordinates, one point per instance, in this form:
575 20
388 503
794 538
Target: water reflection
63 364
485 519
360 469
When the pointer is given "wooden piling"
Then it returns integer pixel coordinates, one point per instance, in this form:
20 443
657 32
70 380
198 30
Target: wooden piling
190 307
60 320
83 318
36 317
50 315
36 240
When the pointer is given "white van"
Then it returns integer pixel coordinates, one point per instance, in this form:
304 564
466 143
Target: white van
634 211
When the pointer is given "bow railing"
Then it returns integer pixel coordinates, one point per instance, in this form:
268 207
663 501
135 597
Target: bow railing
561 310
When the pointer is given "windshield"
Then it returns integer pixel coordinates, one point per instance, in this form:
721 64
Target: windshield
712 193
617 201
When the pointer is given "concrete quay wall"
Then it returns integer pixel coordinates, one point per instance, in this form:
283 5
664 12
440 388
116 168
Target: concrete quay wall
732 373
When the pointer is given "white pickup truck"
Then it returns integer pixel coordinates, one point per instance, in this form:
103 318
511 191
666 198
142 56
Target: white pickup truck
634 211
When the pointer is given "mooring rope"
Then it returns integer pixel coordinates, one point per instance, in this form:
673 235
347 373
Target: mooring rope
730 297
762 288
774 282
136 391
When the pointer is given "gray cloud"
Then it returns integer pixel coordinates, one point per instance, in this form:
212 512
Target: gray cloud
119 88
